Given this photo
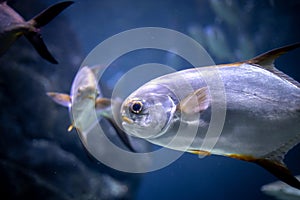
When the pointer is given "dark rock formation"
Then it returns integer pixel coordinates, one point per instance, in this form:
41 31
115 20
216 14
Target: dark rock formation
38 158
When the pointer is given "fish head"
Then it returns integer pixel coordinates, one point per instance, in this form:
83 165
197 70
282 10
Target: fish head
147 112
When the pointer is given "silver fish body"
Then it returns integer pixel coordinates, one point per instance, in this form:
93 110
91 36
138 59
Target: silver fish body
83 95
260 107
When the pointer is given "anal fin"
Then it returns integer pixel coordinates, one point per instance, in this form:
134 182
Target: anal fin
280 171
277 168
199 152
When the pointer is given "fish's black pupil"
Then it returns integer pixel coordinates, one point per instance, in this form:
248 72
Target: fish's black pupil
137 107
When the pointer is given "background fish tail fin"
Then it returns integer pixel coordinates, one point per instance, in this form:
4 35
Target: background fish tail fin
38 43
40 20
48 14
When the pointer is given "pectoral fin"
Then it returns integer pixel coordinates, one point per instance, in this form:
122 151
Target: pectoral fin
61 99
196 102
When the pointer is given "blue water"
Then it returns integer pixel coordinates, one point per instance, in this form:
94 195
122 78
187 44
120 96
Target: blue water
213 177
264 24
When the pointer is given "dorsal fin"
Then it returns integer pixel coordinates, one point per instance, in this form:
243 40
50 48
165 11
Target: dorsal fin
266 61
97 69
284 76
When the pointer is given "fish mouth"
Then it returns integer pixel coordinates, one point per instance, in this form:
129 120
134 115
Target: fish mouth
127 120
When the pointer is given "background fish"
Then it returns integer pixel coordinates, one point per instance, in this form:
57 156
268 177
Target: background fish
262 103
84 95
281 191
12 26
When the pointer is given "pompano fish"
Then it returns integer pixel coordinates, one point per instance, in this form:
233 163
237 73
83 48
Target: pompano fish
281 191
262 120
85 94
12 26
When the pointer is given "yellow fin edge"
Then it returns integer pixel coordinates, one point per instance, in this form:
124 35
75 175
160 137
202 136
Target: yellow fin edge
199 152
70 128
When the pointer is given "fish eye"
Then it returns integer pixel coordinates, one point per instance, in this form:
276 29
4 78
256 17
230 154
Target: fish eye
136 107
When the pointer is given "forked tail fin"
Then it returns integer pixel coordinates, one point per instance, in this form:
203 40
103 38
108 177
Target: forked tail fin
37 42
48 14
40 20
